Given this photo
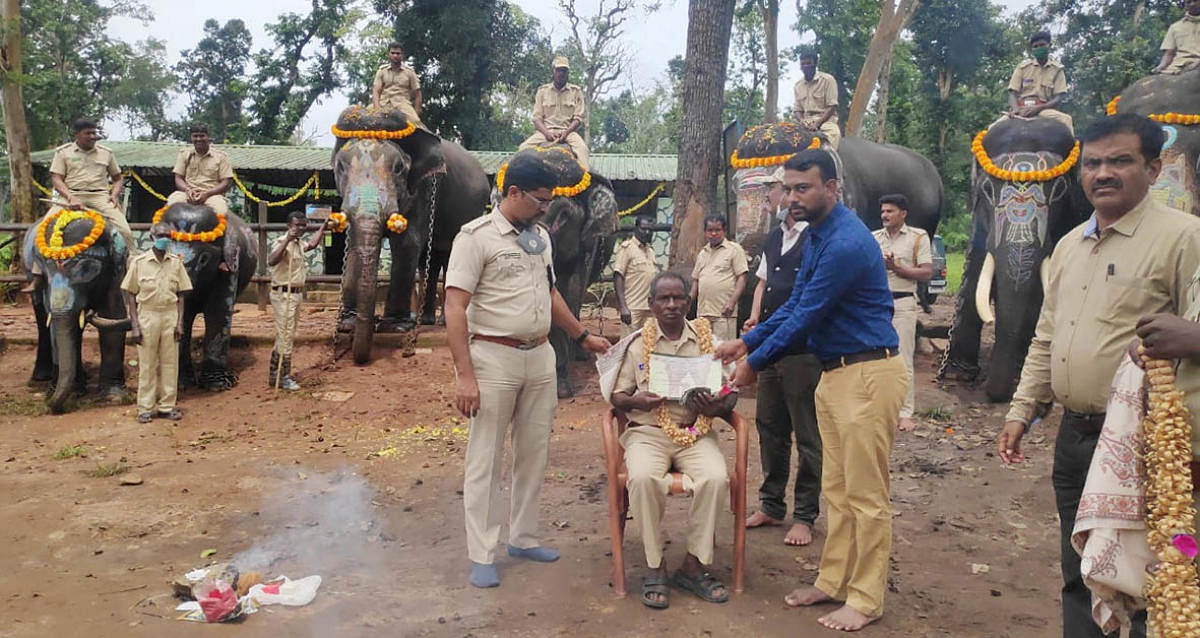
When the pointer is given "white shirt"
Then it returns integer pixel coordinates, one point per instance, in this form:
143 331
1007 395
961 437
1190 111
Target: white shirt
790 236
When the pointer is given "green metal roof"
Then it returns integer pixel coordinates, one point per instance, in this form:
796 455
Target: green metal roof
159 158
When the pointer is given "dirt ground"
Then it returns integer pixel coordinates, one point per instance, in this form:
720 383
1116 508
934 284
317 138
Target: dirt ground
366 492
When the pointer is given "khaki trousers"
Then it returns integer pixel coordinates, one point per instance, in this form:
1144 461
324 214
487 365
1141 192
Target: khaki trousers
517 388
649 455
158 359
1053 114
287 313
832 133
639 319
217 202
723 328
857 408
405 107
905 322
578 147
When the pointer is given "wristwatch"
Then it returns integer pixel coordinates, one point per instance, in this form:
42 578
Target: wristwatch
583 335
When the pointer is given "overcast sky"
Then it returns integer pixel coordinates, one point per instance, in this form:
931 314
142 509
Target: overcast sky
653 39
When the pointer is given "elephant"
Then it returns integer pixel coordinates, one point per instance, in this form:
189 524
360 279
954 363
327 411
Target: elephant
581 228
220 270
385 167
1015 226
1177 184
86 286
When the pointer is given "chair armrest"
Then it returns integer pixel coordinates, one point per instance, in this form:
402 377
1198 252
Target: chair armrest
609 432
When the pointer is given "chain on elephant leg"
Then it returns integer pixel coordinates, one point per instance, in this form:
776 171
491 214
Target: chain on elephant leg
215 373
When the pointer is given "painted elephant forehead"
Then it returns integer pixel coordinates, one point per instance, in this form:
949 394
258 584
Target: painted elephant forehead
1022 214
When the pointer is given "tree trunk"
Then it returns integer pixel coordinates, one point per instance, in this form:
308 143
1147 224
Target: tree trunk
709 25
14 118
770 16
892 19
885 81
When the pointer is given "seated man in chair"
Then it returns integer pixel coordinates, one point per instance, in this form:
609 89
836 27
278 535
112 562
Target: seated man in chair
665 433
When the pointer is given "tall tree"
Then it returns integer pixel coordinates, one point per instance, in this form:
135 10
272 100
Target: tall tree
139 93
893 16
700 158
770 20
213 75
16 131
747 75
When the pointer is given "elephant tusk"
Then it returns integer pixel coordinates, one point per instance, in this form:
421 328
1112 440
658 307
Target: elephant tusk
81 320
983 290
1045 272
102 323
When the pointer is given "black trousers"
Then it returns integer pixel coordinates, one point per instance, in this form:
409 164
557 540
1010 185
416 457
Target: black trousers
786 409
1073 450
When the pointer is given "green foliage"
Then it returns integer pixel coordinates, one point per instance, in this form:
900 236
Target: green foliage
70 451
214 75
842 31
630 123
955 262
745 84
105 470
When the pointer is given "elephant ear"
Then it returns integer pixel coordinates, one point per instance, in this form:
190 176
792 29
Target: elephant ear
601 209
425 150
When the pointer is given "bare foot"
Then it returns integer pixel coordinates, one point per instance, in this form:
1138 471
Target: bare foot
759 519
906 424
805 596
846 618
799 536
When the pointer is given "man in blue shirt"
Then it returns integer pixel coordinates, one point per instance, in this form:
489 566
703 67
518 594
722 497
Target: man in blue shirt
841 311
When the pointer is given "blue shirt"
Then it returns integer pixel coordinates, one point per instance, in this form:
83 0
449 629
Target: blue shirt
840 304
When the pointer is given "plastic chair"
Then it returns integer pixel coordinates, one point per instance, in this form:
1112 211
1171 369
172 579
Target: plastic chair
618 497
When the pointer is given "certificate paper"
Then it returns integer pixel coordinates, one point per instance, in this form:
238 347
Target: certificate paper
671 376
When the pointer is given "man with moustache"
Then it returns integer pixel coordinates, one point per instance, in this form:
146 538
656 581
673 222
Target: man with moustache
840 309
817 100
632 271
1181 45
202 173
1134 257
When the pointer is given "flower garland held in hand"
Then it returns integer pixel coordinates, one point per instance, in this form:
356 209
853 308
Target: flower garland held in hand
55 249
773 160
1171 589
561 191
206 236
374 135
684 436
990 167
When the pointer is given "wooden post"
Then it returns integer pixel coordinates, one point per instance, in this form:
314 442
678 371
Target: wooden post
264 287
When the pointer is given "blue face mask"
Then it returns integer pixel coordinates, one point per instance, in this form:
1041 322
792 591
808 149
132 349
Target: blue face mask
162 243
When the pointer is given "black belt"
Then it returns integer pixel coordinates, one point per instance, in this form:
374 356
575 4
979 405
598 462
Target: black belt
859 357
1083 422
901 295
82 191
292 289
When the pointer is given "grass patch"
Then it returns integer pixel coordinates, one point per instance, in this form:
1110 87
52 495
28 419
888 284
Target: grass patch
104 470
70 451
22 405
937 413
954 272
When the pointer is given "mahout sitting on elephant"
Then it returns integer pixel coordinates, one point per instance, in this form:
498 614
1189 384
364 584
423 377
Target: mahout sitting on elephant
1025 195
220 254
406 183
81 260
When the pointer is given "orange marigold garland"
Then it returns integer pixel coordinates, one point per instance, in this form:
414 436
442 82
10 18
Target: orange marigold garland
55 249
990 167
397 223
683 436
1182 119
376 135
561 191
1111 107
340 222
206 236
763 162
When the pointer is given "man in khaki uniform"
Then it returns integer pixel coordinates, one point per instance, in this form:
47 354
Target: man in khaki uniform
650 453
154 287
1038 85
500 302
720 276
1134 257
908 257
80 172
558 112
289 270
202 174
1181 46
634 268
396 86
817 100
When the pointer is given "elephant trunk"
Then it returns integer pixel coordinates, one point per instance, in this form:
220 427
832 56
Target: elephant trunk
1018 304
66 348
367 240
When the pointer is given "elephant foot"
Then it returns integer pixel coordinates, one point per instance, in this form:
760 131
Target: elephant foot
565 391
428 320
41 376
959 371
117 395
217 379
394 324
346 319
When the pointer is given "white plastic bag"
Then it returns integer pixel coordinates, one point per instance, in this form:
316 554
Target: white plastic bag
293 593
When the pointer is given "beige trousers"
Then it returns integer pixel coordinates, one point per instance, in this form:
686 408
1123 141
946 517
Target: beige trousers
832 133
517 388
287 313
217 202
1053 114
857 407
578 147
723 328
905 322
405 107
158 359
649 455
639 319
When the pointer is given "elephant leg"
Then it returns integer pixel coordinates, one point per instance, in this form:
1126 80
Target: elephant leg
112 364
563 354
187 370
397 314
215 373
437 265
351 270
43 367
962 357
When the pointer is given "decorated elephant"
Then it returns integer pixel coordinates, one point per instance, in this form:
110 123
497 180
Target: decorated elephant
1025 195
220 254
581 221
406 183
81 261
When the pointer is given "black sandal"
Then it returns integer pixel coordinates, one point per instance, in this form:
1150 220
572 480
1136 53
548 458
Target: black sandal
703 586
654 584
174 414
144 417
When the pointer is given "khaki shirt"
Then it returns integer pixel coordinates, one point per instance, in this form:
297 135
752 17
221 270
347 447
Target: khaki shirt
292 268
1183 37
636 263
716 272
204 172
633 377
155 283
558 108
1100 285
1187 377
1032 80
910 247
812 98
510 289
85 171
396 86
